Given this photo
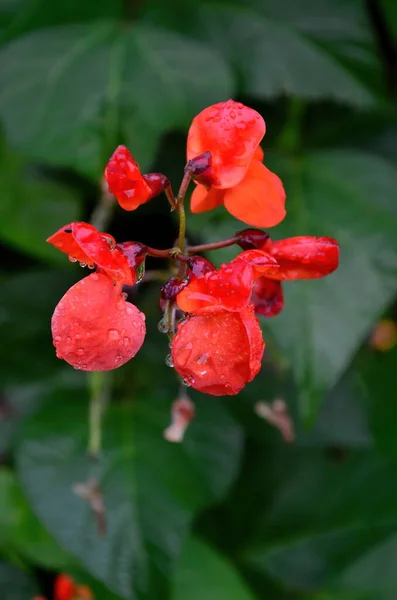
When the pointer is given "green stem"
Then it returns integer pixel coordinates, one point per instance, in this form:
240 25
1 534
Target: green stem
99 393
182 226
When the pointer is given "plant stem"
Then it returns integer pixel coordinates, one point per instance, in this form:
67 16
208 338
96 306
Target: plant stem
213 245
99 392
182 226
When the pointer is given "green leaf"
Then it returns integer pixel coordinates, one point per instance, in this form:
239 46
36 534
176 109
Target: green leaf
203 573
21 532
32 208
15 584
26 306
283 47
320 525
349 196
151 488
390 11
85 84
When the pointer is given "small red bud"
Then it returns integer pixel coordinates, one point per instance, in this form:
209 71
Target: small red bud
157 182
250 239
171 289
200 265
200 168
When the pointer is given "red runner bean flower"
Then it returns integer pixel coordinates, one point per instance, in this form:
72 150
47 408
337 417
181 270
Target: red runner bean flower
232 132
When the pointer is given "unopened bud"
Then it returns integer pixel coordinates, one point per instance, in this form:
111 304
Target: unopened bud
251 239
384 335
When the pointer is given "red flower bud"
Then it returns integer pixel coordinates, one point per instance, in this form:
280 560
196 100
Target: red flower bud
304 257
250 239
127 183
219 353
199 265
94 328
64 588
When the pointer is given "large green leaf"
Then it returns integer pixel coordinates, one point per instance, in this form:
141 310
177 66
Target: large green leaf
324 520
151 488
27 302
283 47
86 84
32 208
15 584
21 532
203 573
351 197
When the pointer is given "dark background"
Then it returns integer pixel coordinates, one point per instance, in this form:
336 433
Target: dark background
232 513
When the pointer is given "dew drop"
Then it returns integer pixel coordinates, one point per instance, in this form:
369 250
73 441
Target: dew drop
125 296
113 334
126 341
162 326
91 266
118 358
83 264
84 366
57 338
80 351
129 310
68 340
72 259
168 361
76 366
94 277
185 382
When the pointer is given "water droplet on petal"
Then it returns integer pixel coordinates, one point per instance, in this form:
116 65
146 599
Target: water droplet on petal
168 361
113 334
125 296
91 266
76 366
80 351
57 338
185 382
72 259
83 264
162 326
126 341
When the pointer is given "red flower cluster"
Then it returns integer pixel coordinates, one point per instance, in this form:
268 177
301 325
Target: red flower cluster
65 588
217 346
94 328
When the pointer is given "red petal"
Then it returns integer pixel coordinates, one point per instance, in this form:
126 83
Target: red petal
87 245
232 133
261 262
259 199
267 297
220 353
304 257
135 253
203 199
94 328
228 288
65 241
125 180
199 265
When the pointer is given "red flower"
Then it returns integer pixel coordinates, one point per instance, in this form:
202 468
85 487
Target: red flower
65 588
231 132
83 243
220 352
303 257
94 328
126 182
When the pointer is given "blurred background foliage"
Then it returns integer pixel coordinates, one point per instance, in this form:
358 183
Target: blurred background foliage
233 512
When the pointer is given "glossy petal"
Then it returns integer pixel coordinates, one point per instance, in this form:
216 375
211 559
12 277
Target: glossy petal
84 243
304 257
259 199
262 262
267 297
125 180
232 133
202 199
135 253
219 353
94 328
228 288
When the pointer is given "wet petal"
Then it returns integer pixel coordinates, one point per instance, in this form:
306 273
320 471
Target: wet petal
304 257
203 199
125 180
219 353
259 199
267 297
94 328
232 133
